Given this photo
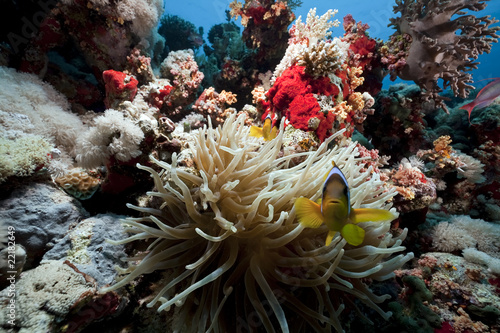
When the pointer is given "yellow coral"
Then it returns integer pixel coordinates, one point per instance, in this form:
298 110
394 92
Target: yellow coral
342 110
236 8
356 100
441 146
355 77
406 192
227 97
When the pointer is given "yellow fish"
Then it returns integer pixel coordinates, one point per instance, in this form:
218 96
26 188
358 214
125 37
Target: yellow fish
268 132
335 210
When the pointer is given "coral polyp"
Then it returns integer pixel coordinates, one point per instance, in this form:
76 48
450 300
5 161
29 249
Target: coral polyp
230 244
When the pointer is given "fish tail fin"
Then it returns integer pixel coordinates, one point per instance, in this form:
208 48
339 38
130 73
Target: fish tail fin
371 214
308 213
353 234
329 237
468 107
255 131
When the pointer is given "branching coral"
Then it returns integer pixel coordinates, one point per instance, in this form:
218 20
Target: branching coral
228 235
442 47
310 45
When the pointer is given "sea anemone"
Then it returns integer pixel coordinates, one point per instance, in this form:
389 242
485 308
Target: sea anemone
232 249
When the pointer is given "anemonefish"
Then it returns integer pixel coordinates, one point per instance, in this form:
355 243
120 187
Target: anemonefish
268 132
335 210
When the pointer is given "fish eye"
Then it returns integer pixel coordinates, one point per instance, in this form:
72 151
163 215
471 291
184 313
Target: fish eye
346 191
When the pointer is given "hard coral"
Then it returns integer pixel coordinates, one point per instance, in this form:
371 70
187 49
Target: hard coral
79 183
442 47
228 233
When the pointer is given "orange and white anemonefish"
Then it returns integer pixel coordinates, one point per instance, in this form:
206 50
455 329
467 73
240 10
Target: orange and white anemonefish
268 132
335 211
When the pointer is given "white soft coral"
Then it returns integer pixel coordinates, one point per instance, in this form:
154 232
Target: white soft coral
112 135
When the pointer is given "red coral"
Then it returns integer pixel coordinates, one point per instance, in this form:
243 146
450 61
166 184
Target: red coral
363 53
364 48
325 126
301 110
158 99
119 87
346 87
445 328
293 95
292 83
256 13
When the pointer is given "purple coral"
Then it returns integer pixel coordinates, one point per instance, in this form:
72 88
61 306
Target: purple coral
442 48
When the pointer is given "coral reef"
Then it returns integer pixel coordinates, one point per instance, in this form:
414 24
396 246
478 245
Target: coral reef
47 111
364 53
462 232
232 223
213 104
212 143
41 214
23 156
313 87
265 25
397 127
459 295
113 135
181 69
440 42
416 191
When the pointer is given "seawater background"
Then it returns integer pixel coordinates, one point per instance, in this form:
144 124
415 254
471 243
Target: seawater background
375 13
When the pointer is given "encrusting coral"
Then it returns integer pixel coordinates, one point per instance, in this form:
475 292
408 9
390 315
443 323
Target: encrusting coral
228 233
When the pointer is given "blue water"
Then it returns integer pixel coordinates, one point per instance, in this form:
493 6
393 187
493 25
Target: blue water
375 13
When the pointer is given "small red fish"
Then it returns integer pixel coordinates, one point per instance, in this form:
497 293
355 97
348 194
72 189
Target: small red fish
485 96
